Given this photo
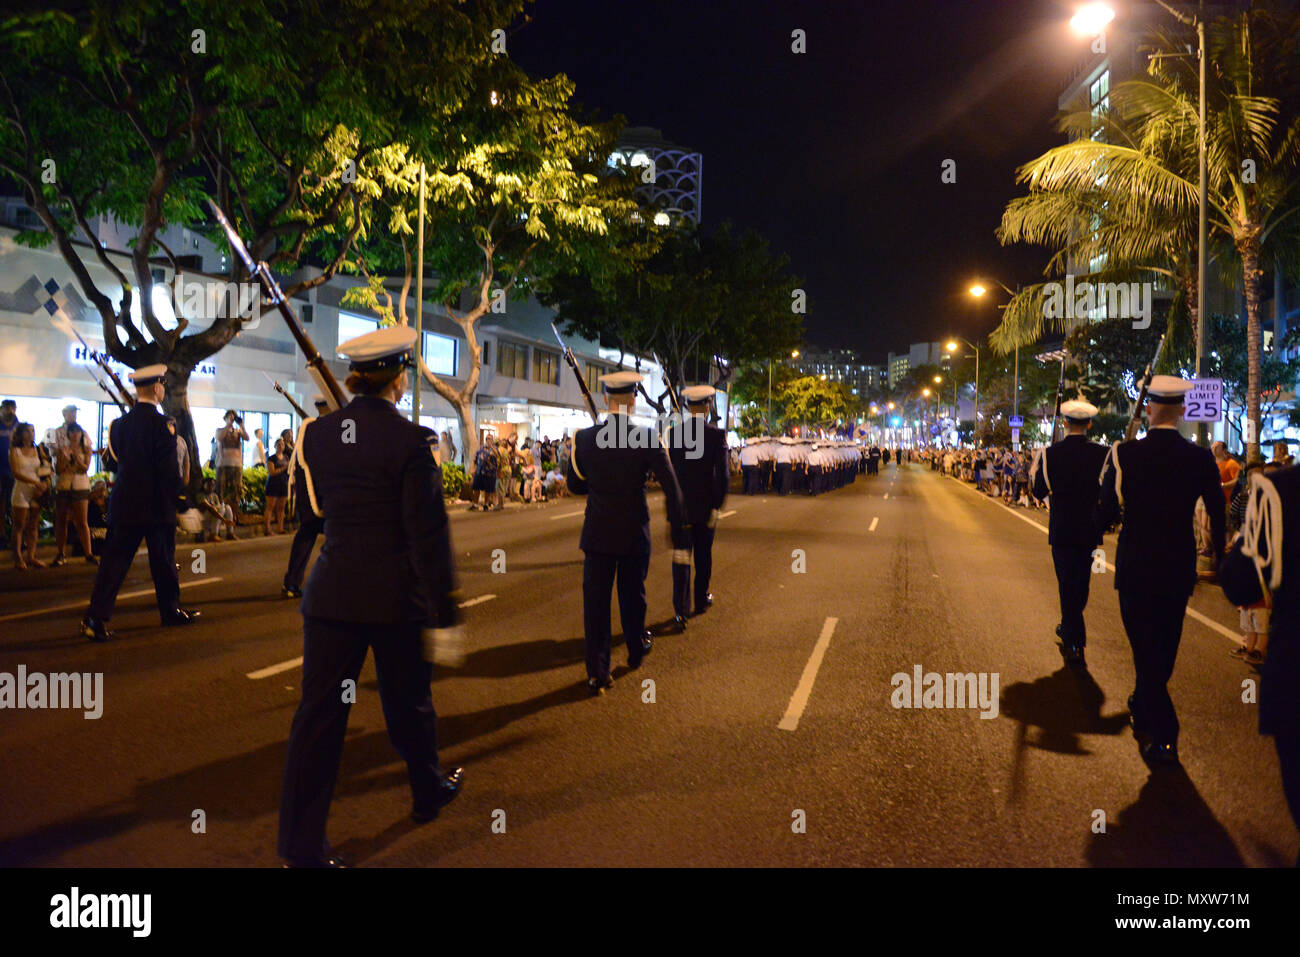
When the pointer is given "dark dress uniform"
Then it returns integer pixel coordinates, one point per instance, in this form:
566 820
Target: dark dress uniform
1156 482
1069 472
611 472
310 525
703 480
1269 554
384 574
142 506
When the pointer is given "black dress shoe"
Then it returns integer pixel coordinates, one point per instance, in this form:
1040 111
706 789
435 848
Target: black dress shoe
287 592
1161 755
180 616
634 659
679 622
1058 633
331 862
597 686
426 809
95 629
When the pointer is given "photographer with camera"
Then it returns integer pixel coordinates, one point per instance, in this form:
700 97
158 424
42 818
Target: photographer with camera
230 460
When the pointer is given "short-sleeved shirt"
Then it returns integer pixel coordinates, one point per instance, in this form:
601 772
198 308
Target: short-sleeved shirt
1229 469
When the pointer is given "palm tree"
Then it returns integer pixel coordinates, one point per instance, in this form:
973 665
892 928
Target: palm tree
1136 197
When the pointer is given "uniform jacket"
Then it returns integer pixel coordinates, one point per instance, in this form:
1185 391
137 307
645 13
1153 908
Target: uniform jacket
387 552
1070 471
1156 482
1279 692
143 453
703 479
617 520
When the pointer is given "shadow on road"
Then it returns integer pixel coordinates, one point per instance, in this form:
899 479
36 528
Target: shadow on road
1060 707
247 786
1168 826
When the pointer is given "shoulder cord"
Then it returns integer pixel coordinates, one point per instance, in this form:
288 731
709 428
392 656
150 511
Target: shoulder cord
1262 533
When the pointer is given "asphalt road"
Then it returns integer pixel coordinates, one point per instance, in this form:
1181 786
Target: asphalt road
768 737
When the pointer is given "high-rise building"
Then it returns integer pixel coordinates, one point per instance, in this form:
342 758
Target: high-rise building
669 177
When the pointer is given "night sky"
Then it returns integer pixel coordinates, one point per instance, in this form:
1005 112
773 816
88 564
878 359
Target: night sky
834 155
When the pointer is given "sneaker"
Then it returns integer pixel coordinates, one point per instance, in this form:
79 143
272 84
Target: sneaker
1238 652
59 561
1254 658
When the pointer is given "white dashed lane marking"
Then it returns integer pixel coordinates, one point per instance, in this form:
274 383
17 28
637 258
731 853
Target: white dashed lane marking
82 604
803 692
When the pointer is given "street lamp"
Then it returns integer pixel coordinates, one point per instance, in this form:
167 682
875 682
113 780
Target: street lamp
977 291
1092 20
952 347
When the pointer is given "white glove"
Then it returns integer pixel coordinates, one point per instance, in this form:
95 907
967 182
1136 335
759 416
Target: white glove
444 646
713 518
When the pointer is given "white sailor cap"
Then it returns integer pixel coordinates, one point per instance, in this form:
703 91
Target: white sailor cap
148 375
695 394
1168 389
320 402
786 440
384 348
753 440
1078 410
621 383
814 445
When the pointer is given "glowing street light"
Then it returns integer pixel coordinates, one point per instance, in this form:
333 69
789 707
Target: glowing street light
977 290
1092 18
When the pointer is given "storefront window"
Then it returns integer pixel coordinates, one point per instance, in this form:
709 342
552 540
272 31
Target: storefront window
512 360
440 354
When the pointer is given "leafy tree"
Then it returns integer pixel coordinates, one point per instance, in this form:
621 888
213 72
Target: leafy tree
811 400
516 198
135 109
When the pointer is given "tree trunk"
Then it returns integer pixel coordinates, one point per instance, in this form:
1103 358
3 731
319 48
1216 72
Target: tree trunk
177 404
465 412
1251 273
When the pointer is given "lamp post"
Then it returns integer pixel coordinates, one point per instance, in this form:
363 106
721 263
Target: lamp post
952 347
1092 20
977 291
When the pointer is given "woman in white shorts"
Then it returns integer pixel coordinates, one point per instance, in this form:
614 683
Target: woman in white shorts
29 484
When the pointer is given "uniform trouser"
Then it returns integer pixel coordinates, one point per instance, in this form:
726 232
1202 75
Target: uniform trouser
701 548
1073 578
333 652
300 551
749 479
782 478
115 561
598 574
1154 624
814 479
764 476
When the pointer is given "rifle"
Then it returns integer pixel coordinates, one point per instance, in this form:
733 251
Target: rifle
121 398
280 389
316 366
577 374
1131 432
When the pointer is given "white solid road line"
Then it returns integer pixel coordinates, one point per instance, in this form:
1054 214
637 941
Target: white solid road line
799 700
874 522
295 662
275 669
82 604
1208 622
725 514
556 518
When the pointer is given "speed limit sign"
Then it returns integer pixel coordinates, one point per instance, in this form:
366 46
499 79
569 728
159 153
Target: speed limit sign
1204 401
